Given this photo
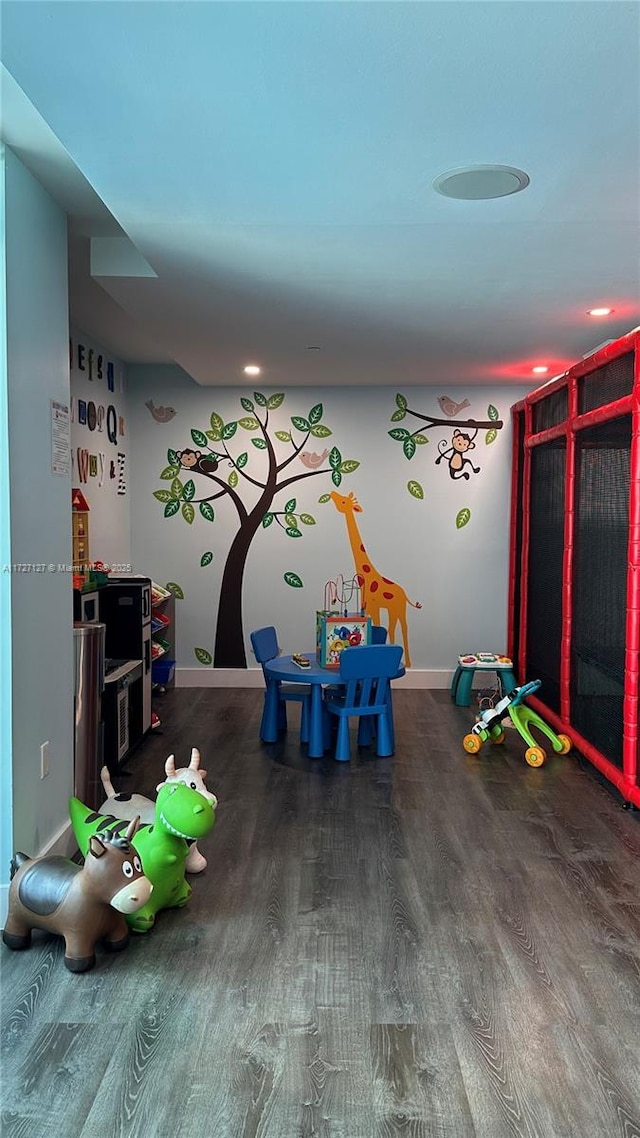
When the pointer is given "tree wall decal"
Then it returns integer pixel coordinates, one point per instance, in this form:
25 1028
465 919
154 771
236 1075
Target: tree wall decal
280 448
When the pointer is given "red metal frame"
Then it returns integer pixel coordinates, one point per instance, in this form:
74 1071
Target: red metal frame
627 780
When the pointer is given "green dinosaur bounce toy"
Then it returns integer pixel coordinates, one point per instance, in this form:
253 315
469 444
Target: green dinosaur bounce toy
182 815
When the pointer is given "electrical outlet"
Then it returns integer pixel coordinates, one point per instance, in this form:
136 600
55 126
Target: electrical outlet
44 760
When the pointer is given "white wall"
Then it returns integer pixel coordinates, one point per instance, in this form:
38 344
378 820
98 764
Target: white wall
42 610
459 575
109 517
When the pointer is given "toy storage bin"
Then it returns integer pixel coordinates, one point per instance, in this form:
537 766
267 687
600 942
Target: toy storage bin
162 671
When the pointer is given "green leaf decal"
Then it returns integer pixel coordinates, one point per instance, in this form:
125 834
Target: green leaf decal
217 423
274 401
260 399
321 432
491 436
170 472
415 489
293 531
172 458
299 423
229 430
335 458
420 440
233 479
348 466
315 414
199 437
206 509
247 404
399 434
175 589
267 520
284 436
214 436
176 488
259 444
493 412
249 423
398 415
242 460
293 580
207 557
401 402
409 448
202 656
290 506
171 508
189 490
336 477
188 512
290 520
162 495
307 520
462 517
323 498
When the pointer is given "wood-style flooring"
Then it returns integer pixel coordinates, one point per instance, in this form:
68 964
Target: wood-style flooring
430 946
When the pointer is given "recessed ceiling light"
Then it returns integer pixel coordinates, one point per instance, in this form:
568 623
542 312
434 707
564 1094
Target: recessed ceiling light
477 183
599 311
251 369
539 370
313 348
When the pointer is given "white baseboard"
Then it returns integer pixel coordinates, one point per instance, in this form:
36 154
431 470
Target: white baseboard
252 678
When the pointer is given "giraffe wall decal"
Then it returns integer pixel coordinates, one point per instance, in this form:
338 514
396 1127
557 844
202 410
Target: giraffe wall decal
378 592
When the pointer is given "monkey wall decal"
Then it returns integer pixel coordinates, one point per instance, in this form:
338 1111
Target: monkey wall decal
195 460
455 454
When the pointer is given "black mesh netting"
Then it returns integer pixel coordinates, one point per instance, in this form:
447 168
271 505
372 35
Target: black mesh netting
600 584
606 384
550 411
518 433
544 587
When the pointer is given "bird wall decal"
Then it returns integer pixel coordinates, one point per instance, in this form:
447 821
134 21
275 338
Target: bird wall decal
449 406
313 460
160 414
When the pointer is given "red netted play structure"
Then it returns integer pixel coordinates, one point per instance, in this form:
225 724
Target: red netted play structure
574 600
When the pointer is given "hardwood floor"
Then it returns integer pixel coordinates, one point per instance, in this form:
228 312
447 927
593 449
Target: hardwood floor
430 946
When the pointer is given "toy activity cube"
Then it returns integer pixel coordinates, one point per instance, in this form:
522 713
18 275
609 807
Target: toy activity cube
335 632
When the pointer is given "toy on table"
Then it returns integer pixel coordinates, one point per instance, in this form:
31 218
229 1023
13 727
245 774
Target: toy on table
128 805
83 904
181 814
300 660
489 726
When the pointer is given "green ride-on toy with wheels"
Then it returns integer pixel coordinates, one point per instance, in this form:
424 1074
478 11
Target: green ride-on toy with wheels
489 726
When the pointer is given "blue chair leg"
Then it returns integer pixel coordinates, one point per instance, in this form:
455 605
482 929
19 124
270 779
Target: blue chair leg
365 730
385 741
304 722
463 689
343 748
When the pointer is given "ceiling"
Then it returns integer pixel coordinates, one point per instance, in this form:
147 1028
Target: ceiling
247 182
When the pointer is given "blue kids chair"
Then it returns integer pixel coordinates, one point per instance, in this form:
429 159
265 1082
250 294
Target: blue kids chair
366 673
264 642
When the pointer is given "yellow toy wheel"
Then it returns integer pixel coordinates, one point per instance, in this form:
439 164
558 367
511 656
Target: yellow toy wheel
535 756
472 744
499 737
566 744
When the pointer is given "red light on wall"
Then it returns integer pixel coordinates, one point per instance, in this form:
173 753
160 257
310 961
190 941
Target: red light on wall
600 311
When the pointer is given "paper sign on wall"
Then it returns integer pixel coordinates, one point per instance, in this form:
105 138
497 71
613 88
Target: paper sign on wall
60 438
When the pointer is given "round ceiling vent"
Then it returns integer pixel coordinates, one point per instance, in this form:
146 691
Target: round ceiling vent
476 183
